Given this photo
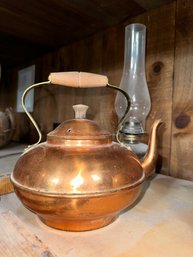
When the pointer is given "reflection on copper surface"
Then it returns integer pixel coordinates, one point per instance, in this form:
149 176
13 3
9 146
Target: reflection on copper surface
77 182
80 180
55 181
95 177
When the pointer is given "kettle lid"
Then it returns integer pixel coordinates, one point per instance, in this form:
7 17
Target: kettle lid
78 129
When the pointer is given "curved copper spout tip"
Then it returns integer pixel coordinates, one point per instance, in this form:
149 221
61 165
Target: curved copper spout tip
149 161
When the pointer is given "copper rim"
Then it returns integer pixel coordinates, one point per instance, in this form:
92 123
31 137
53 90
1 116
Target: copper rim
27 189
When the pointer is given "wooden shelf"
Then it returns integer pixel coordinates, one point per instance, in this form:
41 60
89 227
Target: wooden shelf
160 224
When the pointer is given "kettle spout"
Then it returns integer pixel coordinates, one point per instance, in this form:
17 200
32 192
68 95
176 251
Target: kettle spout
149 161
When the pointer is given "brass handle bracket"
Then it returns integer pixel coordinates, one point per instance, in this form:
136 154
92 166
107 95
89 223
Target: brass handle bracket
67 78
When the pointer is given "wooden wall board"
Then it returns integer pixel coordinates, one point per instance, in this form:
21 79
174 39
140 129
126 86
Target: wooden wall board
160 65
103 53
182 124
160 45
168 64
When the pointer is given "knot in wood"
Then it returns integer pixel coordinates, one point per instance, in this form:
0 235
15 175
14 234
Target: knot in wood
157 67
182 121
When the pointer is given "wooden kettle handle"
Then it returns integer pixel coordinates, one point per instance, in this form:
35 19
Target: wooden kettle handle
78 79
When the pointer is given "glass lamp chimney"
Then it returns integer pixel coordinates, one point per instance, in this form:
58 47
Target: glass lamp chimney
133 81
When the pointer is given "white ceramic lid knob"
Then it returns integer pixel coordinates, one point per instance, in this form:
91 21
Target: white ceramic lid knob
80 111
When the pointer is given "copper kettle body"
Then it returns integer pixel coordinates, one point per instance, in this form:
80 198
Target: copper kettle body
79 179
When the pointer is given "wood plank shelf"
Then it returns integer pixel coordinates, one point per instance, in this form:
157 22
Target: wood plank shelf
17 240
160 224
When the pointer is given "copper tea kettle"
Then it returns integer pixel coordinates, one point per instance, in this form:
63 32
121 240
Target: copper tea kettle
79 179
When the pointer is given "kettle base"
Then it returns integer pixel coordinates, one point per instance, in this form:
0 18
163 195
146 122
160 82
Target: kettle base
78 225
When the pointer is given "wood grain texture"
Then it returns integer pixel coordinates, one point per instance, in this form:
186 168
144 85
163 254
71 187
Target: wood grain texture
17 241
106 57
160 225
169 76
36 27
103 53
160 46
182 124
149 4
159 70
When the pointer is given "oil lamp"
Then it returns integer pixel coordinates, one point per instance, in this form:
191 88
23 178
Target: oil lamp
133 81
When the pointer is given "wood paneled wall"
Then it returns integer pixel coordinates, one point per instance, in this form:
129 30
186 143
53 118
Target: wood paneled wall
182 108
169 60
